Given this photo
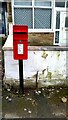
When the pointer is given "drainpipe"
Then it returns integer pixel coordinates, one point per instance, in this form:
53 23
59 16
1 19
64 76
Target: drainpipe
9 14
4 9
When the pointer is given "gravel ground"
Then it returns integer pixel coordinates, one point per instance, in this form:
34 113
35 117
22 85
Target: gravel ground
37 103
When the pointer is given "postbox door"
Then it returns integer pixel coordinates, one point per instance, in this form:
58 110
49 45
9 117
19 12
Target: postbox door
20 49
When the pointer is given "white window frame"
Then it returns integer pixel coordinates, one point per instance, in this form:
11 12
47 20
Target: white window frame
33 6
58 9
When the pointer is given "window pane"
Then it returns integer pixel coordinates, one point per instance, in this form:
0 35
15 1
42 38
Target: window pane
57 37
58 20
42 3
66 21
23 16
67 4
59 4
23 2
43 18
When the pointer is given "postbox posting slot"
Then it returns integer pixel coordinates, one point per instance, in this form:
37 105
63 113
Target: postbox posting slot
19 32
19 37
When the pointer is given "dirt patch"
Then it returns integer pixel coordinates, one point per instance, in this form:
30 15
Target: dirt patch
33 101
41 39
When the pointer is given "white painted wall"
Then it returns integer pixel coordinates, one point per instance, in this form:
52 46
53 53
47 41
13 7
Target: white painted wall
54 63
11 66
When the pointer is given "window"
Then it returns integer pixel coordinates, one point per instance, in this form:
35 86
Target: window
37 14
23 2
57 37
43 18
66 21
57 20
59 4
23 16
42 3
67 4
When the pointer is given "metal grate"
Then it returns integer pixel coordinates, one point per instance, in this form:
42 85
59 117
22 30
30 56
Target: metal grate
43 18
57 20
23 16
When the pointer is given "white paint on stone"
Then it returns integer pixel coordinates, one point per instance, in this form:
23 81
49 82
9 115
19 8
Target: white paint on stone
54 63
11 66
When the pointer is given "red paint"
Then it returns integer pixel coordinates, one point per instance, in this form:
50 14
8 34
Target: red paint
20 37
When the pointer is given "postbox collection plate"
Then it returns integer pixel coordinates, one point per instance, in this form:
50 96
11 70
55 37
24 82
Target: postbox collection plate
20 48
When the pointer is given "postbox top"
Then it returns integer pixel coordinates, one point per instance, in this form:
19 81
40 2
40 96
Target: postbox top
20 28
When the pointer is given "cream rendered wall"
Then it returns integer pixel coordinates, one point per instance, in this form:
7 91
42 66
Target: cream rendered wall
49 64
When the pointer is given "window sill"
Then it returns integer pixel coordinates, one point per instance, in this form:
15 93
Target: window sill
40 30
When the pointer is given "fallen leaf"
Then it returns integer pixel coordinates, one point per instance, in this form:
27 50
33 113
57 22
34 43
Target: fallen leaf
25 109
28 94
50 90
53 89
57 91
17 92
36 92
23 95
7 97
29 99
60 88
8 90
48 97
10 99
64 100
29 112
43 89
39 91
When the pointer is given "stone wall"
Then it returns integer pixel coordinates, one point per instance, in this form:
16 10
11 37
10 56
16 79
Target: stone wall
50 66
53 63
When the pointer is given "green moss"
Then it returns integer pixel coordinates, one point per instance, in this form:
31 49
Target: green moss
44 55
49 75
58 54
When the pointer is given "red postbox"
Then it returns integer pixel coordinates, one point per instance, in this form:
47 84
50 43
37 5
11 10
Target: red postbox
20 42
